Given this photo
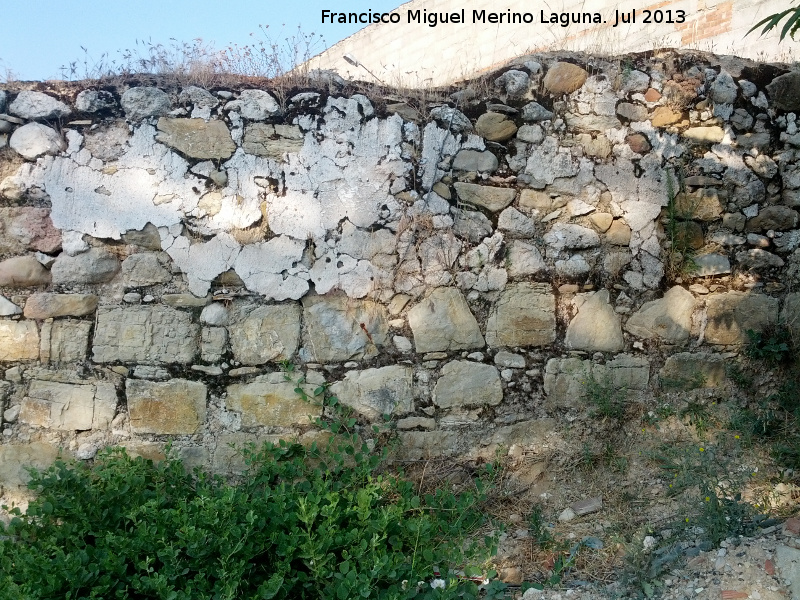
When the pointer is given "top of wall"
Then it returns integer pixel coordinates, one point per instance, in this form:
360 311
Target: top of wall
413 54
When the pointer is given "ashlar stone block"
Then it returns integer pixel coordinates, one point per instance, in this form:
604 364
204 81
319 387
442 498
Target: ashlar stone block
19 340
443 321
265 333
69 407
376 392
176 407
271 401
464 383
338 328
732 314
64 340
145 334
524 315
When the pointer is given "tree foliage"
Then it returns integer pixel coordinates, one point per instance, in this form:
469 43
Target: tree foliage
772 21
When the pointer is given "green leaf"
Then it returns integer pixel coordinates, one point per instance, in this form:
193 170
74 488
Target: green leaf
342 592
473 571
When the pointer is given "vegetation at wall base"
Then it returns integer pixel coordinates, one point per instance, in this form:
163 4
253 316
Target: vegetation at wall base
303 522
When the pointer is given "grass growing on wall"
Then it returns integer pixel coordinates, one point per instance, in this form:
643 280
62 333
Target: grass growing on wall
271 55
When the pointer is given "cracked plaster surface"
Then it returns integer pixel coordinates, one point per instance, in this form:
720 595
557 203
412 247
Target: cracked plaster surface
349 166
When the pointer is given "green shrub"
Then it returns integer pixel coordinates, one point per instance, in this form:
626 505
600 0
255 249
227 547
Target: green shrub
774 346
302 523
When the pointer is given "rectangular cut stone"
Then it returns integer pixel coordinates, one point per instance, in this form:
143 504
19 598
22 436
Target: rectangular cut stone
732 314
270 402
376 392
418 445
524 315
263 140
443 321
196 137
145 334
338 328
15 459
64 340
229 458
624 372
689 370
565 380
492 198
213 341
177 406
265 333
464 383
69 407
46 305
185 300
147 450
19 340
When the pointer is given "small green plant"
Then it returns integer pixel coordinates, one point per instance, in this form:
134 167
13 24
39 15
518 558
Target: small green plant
644 564
565 561
739 376
495 590
665 411
609 401
723 514
786 452
704 483
538 529
774 420
699 415
608 455
627 69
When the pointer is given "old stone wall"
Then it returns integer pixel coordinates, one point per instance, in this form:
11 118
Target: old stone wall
464 266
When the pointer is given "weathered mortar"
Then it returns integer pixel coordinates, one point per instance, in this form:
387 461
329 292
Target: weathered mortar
167 252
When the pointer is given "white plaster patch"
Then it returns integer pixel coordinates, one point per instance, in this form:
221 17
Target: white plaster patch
548 161
236 212
346 175
273 268
201 262
106 204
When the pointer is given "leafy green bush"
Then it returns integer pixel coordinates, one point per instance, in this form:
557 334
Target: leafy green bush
302 523
773 347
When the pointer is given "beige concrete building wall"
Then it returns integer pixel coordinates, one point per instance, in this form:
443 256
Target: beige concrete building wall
414 54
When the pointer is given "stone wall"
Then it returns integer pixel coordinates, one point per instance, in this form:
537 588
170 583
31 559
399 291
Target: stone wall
165 253
413 54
